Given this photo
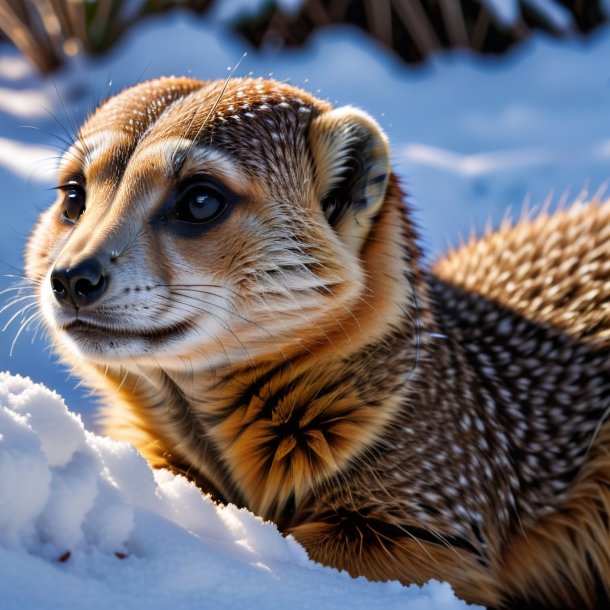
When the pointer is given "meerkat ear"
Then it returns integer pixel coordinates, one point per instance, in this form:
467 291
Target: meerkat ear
352 160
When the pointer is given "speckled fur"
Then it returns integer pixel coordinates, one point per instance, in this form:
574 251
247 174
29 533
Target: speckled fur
401 422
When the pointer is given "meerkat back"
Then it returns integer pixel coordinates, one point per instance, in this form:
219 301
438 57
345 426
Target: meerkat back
232 266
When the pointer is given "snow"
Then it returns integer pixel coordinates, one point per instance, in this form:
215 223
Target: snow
20 158
230 10
507 12
85 523
554 12
471 137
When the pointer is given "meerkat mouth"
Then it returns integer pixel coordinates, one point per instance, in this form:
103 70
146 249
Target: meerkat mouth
79 329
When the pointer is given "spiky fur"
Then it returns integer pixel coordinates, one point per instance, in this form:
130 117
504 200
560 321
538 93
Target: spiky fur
400 422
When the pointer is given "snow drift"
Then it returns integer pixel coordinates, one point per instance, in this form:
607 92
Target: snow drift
85 523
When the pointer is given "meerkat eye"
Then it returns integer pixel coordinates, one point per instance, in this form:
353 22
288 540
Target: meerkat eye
201 202
74 200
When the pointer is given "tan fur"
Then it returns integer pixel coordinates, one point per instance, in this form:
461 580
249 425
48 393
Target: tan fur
294 357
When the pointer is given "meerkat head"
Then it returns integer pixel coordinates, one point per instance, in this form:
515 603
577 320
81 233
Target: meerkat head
207 219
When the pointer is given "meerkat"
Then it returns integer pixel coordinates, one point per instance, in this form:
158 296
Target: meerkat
233 266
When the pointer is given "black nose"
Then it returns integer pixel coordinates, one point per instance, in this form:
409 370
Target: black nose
80 285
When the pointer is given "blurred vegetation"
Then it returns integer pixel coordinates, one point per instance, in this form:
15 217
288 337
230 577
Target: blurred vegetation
415 28
51 31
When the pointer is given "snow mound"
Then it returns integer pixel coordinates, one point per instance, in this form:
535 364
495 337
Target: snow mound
84 522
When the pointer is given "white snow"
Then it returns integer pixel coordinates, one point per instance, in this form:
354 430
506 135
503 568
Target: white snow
84 523
21 159
230 10
507 12
557 15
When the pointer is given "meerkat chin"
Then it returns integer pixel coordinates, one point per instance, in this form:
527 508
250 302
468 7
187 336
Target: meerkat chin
232 266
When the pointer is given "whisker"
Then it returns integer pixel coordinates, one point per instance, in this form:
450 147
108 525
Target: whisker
222 323
16 299
39 325
232 312
72 124
214 106
24 326
122 382
23 278
284 290
66 143
18 313
192 308
69 137
14 289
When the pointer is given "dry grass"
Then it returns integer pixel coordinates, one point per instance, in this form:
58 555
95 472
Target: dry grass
50 31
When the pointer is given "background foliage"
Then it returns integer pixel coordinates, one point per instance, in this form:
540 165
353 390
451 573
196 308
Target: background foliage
51 31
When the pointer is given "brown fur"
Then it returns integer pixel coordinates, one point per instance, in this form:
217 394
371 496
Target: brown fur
294 357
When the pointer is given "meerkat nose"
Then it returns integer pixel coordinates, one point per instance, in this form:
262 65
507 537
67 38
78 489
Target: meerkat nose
80 285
